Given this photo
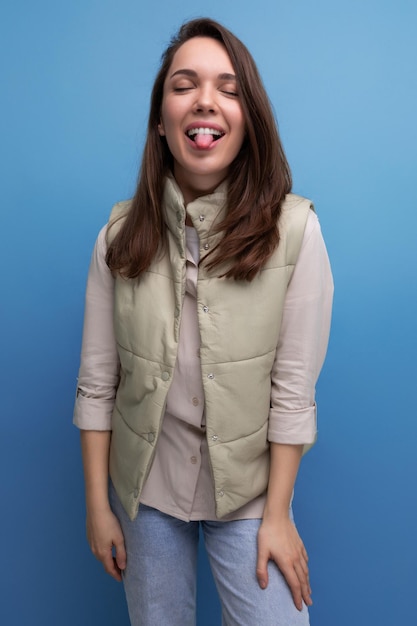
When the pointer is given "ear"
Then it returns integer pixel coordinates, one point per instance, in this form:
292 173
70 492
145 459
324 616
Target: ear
161 129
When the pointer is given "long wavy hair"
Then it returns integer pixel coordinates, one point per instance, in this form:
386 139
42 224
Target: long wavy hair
259 177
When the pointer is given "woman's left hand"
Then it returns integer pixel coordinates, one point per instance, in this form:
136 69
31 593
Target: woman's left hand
280 542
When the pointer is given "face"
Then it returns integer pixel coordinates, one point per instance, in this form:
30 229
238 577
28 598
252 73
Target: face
201 115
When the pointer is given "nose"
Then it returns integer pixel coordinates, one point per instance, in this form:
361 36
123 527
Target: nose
206 100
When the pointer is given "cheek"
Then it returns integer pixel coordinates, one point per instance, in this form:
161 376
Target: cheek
171 113
238 119
165 118
242 121
240 127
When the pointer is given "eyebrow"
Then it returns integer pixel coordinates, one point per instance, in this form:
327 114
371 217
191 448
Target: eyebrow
193 74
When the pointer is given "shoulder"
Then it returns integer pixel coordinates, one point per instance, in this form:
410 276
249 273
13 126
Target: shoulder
293 203
99 272
120 209
117 217
295 212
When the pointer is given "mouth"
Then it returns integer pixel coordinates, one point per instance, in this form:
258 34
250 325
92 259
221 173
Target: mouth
204 137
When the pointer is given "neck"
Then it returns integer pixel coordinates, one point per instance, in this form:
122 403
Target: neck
199 186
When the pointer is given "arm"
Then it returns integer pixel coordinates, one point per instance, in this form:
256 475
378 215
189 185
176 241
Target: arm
278 539
292 421
97 383
103 528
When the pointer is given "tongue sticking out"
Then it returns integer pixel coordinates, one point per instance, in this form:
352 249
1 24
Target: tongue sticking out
203 141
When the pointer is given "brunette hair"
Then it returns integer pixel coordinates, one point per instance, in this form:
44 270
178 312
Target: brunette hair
259 177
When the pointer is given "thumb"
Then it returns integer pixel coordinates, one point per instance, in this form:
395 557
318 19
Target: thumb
262 568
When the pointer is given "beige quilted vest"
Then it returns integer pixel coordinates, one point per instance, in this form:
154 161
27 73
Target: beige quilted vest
239 325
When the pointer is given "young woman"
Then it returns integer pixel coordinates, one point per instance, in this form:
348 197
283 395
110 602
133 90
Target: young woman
206 325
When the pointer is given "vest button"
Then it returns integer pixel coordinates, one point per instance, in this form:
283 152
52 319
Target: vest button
201 218
211 376
214 437
206 246
165 375
220 493
151 437
205 308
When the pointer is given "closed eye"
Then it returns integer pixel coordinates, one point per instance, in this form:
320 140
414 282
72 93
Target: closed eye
228 87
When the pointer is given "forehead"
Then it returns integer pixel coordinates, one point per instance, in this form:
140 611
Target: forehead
201 52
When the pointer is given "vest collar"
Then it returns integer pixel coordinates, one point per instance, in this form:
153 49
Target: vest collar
205 212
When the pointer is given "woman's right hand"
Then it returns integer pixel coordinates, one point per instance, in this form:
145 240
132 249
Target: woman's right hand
104 533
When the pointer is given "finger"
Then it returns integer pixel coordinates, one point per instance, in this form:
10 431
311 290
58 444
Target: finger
304 566
120 554
294 584
304 583
110 565
117 571
262 569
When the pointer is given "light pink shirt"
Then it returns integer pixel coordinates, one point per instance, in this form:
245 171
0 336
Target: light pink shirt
180 482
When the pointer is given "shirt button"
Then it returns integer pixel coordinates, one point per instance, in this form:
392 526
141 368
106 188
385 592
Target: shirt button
201 218
151 437
205 309
206 246
214 437
220 493
195 401
211 376
193 460
165 375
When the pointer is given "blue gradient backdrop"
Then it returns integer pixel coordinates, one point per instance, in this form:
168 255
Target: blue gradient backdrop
75 80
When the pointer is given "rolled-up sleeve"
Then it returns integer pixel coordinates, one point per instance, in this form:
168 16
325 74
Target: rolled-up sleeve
99 369
302 342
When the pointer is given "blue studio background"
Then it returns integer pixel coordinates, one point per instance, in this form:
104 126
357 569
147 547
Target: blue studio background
76 78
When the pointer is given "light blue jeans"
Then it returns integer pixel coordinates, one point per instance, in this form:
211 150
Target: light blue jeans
160 576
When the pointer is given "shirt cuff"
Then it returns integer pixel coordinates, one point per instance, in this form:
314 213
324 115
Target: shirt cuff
92 413
293 427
